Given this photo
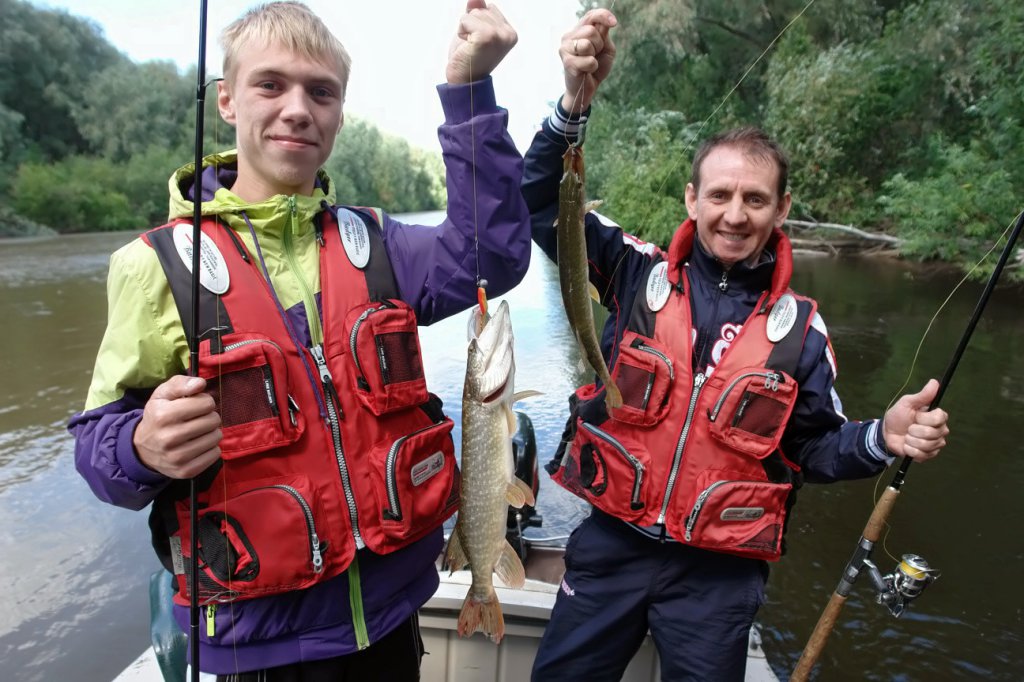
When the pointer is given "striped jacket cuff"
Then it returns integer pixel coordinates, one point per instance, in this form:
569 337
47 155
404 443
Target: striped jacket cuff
564 123
874 441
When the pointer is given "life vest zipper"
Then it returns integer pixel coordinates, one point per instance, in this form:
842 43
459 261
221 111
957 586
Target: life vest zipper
394 511
691 520
638 466
333 412
698 383
771 382
293 407
353 337
643 347
314 539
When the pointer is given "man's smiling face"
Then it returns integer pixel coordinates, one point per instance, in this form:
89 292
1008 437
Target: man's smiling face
737 204
287 110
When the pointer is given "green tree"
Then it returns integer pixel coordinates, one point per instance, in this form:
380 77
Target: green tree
370 168
130 106
77 194
898 114
46 60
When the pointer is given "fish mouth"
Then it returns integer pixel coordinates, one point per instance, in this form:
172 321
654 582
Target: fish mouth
496 393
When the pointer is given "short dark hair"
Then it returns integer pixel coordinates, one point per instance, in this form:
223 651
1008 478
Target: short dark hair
754 142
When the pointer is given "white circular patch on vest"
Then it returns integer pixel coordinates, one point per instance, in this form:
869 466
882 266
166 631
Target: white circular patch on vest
213 272
355 237
782 318
658 287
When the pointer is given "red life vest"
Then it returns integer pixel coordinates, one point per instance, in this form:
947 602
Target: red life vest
699 454
324 450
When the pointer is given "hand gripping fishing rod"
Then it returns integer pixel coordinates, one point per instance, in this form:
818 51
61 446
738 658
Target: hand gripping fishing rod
913 574
193 340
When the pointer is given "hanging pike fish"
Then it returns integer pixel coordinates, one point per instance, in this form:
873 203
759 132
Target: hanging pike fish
573 271
489 484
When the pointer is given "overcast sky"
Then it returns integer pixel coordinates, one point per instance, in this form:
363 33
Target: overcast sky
399 50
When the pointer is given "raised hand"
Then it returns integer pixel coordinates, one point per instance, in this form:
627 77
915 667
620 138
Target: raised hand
911 429
482 40
587 53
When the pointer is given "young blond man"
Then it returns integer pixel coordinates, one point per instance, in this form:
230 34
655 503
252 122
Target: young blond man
324 466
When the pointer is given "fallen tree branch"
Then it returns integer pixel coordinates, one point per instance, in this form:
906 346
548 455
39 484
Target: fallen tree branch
849 229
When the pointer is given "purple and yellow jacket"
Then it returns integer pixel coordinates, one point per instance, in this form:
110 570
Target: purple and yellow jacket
435 275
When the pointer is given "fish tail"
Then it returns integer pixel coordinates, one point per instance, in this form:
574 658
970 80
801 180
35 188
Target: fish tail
482 613
612 395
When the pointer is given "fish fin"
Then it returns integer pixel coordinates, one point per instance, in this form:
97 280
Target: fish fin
612 395
523 395
514 495
525 489
482 614
454 555
594 294
591 205
510 568
510 420
518 493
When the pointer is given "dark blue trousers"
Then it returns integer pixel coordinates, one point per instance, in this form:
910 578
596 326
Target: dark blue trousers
618 583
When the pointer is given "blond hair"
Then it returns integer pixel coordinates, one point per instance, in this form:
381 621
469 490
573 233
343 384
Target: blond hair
289 24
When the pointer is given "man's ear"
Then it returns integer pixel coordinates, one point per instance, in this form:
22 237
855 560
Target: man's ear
225 102
783 211
691 200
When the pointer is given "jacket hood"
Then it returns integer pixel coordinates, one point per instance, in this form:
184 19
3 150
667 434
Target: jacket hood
219 173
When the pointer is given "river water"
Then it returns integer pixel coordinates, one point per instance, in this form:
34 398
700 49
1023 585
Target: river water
76 570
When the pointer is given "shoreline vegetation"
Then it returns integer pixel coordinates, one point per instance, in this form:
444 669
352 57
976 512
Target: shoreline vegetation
913 149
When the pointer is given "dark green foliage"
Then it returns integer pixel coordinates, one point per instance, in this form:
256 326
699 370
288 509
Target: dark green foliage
640 177
75 195
46 60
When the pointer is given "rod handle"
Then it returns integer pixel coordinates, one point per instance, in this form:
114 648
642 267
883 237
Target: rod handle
816 643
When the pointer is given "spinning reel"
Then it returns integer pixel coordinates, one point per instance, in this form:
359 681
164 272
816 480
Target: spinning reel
904 584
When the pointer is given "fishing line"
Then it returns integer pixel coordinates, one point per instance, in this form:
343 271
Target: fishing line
225 471
917 353
481 283
688 145
472 161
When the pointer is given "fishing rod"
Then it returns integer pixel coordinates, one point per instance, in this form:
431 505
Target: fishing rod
193 338
913 574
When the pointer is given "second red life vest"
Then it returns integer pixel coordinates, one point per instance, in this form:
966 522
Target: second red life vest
696 452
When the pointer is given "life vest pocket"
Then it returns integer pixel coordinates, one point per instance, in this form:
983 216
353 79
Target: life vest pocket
644 375
608 471
248 379
262 540
751 412
386 369
416 486
737 516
